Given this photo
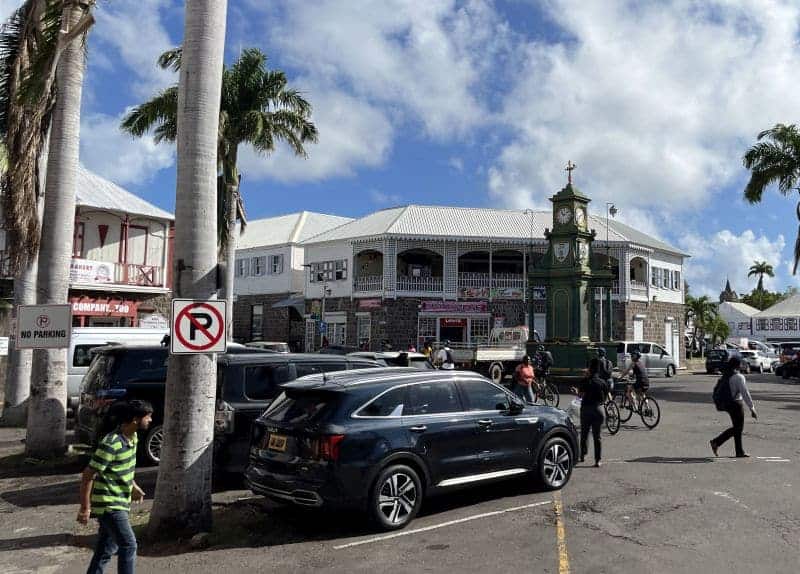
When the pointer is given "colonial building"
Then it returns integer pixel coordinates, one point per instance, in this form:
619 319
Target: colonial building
269 276
407 274
739 317
781 322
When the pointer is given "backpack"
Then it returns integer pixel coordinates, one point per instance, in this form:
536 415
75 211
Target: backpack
449 360
722 395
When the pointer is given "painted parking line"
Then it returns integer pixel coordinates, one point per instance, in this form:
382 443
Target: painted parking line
441 525
773 459
561 535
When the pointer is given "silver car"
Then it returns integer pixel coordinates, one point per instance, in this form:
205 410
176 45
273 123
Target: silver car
654 357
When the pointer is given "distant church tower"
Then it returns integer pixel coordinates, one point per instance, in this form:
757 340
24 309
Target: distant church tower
728 295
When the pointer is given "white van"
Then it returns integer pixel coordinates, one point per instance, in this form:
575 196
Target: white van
84 339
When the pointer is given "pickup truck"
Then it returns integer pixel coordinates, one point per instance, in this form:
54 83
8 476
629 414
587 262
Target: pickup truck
496 358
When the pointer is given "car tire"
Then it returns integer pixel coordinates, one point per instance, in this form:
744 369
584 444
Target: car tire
396 497
670 371
761 369
555 464
150 446
496 373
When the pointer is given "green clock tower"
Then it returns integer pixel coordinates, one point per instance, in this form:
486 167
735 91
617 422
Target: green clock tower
570 278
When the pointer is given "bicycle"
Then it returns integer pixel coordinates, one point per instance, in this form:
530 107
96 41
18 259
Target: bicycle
612 416
546 391
646 407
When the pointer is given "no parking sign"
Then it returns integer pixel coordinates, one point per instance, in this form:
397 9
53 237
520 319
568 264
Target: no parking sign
198 326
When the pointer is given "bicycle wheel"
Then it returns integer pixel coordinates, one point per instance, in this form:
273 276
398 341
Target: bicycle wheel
650 412
550 395
612 417
625 407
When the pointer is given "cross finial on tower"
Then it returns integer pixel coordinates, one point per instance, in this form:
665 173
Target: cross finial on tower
568 169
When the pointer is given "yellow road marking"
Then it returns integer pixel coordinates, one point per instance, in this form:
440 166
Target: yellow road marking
563 557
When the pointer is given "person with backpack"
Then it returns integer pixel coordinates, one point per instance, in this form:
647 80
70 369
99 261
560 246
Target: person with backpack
594 393
444 357
523 380
729 394
605 367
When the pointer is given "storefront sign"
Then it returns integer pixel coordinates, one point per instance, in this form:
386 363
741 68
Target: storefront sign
154 321
507 293
473 292
369 303
447 322
91 307
85 271
454 307
539 293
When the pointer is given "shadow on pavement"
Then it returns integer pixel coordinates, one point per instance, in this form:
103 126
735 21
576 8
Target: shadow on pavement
46 540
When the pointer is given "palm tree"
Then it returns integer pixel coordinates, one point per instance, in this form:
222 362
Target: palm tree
718 329
183 491
47 408
257 108
761 268
775 160
701 310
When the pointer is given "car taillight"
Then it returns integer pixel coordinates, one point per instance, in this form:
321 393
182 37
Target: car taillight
327 447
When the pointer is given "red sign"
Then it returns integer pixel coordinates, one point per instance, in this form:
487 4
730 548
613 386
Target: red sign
446 322
369 303
199 327
91 307
455 306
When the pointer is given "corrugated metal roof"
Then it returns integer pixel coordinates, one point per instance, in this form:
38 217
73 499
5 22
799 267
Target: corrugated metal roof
95 191
789 306
474 223
743 308
284 229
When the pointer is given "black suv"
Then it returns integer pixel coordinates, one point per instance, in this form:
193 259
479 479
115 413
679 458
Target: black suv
717 359
247 381
381 440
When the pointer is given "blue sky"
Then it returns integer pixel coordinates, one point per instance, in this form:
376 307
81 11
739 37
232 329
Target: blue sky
481 103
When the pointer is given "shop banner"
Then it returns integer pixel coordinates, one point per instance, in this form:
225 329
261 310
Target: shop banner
90 307
507 293
455 307
85 271
369 303
473 292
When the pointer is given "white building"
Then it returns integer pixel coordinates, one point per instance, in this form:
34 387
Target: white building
739 317
781 322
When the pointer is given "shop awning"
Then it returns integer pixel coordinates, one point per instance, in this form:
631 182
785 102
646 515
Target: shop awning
299 304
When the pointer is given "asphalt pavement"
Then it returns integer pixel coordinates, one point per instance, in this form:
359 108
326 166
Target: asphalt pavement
661 502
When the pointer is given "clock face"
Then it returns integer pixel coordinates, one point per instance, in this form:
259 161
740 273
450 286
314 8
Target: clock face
564 215
580 217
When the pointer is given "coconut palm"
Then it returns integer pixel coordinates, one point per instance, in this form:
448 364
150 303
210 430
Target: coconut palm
257 108
183 491
761 268
701 310
718 329
775 159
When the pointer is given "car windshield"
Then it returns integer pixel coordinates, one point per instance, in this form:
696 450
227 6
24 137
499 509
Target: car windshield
717 354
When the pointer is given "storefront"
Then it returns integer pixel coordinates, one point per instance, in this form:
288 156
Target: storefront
99 312
459 322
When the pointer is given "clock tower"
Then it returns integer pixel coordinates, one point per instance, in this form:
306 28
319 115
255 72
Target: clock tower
566 269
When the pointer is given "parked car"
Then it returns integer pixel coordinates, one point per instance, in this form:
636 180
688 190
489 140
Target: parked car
247 381
338 350
788 351
717 359
274 346
84 339
396 359
655 358
383 441
756 361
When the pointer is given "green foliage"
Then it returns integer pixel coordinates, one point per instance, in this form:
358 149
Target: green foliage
761 268
761 299
718 329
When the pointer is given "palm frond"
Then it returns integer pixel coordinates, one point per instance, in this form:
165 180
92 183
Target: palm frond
171 59
160 114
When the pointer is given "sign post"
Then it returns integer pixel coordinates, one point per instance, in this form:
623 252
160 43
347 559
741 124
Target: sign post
43 327
198 326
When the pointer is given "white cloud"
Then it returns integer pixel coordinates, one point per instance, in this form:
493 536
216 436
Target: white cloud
728 255
456 163
655 102
380 198
352 134
106 150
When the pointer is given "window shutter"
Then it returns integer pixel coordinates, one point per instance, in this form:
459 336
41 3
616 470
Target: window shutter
280 264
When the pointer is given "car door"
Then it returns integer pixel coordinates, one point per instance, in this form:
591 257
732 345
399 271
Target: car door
439 430
502 441
660 359
645 349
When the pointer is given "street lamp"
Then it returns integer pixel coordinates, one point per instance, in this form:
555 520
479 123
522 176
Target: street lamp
325 292
611 210
530 287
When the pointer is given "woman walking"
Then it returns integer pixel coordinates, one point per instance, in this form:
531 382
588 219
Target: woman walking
593 392
738 394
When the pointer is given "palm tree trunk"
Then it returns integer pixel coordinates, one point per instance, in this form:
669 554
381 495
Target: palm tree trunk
231 193
183 491
47 409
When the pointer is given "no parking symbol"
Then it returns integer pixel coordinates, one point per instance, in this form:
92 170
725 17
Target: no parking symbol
198 326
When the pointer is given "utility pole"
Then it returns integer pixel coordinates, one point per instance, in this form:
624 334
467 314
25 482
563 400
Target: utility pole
611 210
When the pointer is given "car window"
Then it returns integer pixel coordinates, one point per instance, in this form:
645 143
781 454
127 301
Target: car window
326 367
644 348
389 404
363 365
483 396
99 373
302 406
658 350
421 364
620 348
82 357
432 398
716 355
261 381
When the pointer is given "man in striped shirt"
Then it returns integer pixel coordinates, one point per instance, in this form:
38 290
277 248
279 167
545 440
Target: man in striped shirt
107 488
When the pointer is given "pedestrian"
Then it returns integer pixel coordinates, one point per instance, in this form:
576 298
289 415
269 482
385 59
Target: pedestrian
427 349
730 400
594 393
444 357
605 367
523 379
412 348
107 489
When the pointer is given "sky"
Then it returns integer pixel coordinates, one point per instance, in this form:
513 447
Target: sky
482 103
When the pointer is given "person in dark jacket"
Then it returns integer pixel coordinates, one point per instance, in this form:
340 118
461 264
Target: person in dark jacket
740 394
594 393
605 367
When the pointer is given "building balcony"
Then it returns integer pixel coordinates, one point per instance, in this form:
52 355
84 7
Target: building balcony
498 281
368 284
419 284
638 289
101 275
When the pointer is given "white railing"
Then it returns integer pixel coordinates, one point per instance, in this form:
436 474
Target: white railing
508 281
419 284
473 280
638 288
368 283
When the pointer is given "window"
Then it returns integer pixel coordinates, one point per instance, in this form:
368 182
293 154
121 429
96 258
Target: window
256 322
432 398
329 271
363 331
655 278
311 368
658 350
261 381
77 240
341 270
242 267
337 333
275 264
644 348
482 396
257 265
82 356
479 331
761 324
666 278
426 330
676 275
776 324
790 324
389 404
744 326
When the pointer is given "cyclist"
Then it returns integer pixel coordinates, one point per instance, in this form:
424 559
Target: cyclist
605 367
641 381
444 357
524 379
543 362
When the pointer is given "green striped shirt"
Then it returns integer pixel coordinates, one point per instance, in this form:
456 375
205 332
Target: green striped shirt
115 463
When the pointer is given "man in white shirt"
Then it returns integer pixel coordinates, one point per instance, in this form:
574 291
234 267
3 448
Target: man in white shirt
444 357
740 394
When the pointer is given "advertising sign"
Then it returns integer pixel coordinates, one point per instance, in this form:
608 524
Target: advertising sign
85 271
455 306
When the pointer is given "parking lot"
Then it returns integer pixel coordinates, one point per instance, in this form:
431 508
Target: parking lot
660 503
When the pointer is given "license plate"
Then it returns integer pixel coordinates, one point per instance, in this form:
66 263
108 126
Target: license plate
277 442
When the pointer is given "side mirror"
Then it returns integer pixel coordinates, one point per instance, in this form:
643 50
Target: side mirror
515 407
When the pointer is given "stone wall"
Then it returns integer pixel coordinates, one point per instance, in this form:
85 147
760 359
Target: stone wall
656 312
281 324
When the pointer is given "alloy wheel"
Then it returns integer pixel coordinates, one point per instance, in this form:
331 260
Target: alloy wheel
155 439
557 464
397 497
